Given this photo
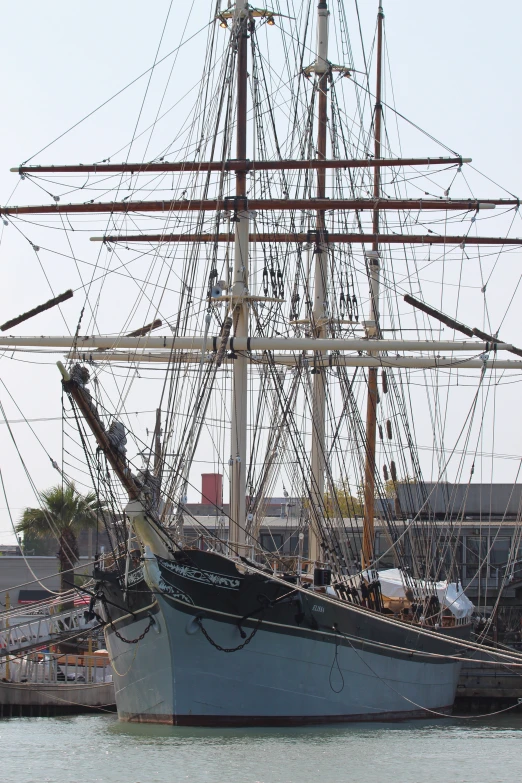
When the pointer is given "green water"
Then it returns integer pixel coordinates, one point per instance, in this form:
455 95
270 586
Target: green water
98 749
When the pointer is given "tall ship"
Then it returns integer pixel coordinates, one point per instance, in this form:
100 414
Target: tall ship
259 285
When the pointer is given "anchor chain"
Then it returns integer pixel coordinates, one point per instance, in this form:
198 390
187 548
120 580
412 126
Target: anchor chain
228 649
117 633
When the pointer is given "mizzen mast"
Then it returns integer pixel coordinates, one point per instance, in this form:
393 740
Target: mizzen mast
239 290
373 329
321 68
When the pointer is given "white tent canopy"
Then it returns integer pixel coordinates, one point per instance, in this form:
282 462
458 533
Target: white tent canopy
450 596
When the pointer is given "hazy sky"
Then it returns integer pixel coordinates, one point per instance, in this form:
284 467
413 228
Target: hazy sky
456 68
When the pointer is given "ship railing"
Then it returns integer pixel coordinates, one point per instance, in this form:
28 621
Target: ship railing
462 620
284 563
27 612
42 630
53 668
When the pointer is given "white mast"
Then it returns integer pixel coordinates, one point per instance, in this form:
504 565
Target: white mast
321 68
239 305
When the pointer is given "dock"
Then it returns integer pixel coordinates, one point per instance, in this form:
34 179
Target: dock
44 699
42 684
487 689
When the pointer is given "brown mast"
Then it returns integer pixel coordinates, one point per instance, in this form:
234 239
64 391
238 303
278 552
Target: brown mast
373 329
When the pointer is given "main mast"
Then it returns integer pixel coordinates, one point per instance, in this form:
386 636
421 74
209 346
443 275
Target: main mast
239 306
321 68
373 329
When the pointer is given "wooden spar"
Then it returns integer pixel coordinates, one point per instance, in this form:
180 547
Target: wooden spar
146 329
373 273
317 457
117 462
157 442
398 362
171 345
139 519
240 312
240 203
331 238
445 319
36 310
494 341
205 166
491 340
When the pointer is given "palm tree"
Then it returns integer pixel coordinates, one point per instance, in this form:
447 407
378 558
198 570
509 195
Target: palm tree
64 513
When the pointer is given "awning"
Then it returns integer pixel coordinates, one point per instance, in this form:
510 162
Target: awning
32 596
450 596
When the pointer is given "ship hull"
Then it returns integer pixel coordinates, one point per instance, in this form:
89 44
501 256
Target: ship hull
301 659
277 681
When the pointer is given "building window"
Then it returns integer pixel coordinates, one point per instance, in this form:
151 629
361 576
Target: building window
271 542
499 555
516 568
476 556
450 550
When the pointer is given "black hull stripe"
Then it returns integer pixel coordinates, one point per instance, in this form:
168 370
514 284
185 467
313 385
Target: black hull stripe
207 561
242 721
326 635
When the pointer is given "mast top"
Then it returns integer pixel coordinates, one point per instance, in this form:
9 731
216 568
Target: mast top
321 64
242 9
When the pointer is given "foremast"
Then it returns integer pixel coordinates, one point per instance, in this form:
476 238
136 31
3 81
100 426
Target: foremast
373 328
239 292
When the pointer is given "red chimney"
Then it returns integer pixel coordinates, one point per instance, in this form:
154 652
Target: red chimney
212 489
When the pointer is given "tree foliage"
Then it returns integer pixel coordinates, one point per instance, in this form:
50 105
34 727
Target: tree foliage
343 502
63 513
390 486
350 505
